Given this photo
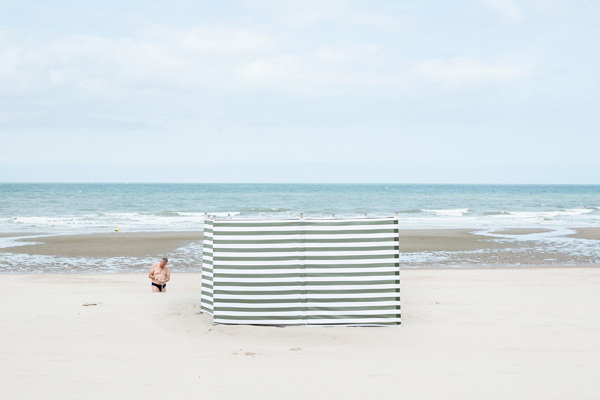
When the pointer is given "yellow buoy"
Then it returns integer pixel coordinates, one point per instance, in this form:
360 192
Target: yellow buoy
117 230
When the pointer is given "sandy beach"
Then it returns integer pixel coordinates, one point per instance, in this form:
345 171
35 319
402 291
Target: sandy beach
466 334
491 328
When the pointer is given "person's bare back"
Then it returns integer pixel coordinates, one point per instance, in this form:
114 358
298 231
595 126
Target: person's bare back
160 275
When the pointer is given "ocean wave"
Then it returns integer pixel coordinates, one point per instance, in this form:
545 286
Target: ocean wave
102 221
550 214
245 210
222 214
49 222
166 213
194 220
456 212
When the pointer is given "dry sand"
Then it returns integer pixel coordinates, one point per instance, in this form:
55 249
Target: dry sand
466 334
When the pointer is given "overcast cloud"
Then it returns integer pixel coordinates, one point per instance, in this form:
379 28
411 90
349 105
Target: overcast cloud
472 91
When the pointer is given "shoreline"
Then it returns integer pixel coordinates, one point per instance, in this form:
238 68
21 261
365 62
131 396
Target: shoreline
121 252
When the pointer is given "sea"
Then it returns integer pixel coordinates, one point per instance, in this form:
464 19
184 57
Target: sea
76 208
99 207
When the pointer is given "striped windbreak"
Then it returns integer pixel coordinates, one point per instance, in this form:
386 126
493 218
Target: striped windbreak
302 272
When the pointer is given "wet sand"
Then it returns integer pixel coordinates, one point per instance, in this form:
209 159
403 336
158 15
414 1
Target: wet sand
417 240
587 233
522 231
141 244
430 248
15 234
466 334
117 244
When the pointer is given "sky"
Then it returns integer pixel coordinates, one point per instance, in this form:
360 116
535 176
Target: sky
432 91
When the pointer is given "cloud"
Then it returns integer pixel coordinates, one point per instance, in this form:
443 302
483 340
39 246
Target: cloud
224 40
463 71
282 67
169 59
507 9
228 58
302 14
327 69
152 57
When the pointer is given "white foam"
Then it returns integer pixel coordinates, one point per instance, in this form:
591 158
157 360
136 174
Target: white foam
224 214
549 214
535 236
187 258
189 220
190 214
14 241
456 212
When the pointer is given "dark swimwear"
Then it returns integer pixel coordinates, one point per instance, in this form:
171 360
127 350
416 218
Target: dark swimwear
160 287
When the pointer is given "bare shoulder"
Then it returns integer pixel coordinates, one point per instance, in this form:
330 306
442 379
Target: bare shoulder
153 266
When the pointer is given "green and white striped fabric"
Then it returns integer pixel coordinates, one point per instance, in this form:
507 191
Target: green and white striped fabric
206 302
302 272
